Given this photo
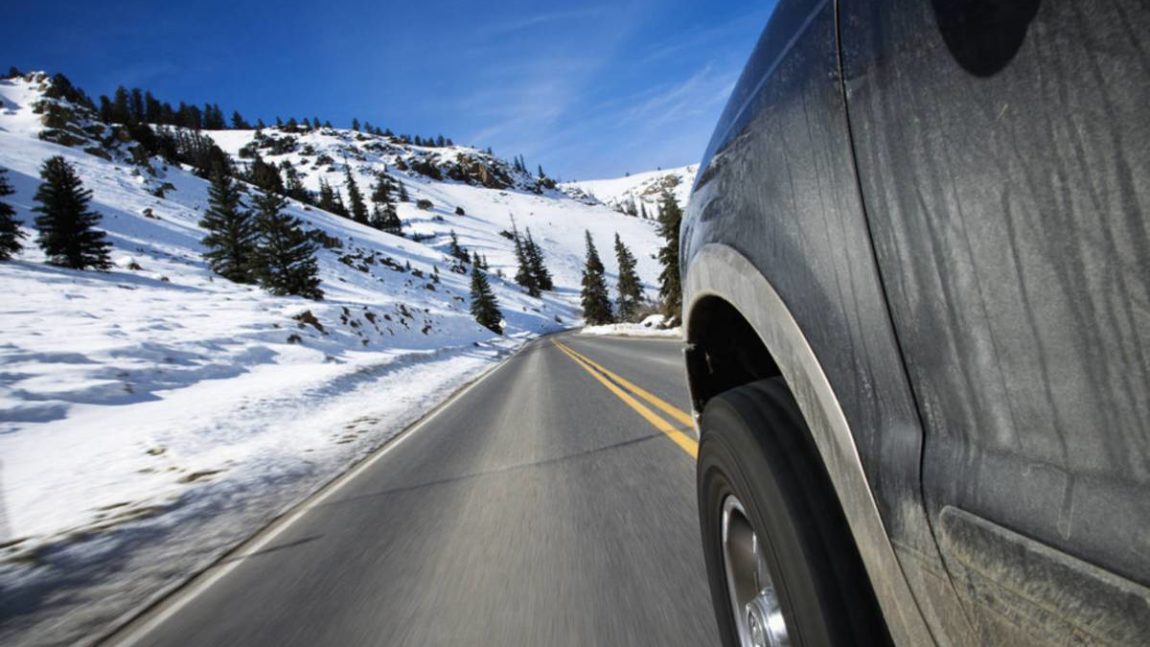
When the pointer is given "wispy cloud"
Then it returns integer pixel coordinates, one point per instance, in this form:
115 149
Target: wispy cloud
529 22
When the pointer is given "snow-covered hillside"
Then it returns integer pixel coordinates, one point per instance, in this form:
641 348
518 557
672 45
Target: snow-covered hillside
156 405
639 192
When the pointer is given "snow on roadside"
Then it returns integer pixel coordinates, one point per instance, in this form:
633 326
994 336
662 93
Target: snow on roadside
651 326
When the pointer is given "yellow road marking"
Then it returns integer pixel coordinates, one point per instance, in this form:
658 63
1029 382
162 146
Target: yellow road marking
669 409
685 442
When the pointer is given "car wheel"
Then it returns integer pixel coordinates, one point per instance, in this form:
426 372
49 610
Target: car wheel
782 566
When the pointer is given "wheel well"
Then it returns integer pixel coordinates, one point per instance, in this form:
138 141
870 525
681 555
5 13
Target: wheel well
723 351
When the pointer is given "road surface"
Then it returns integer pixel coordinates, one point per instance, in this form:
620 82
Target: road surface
552 503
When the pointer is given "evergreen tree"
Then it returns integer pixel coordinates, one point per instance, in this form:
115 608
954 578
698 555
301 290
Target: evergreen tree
538 269
137 105
484 306
355 124
67 228
293 185
523 274
456 250
107 110
121 110
153 111
340 209
643 210
670 287
630 290
231 238
596 303
10 233
285 259
403 197
214 117
381 190
358 207
238 121
385 217
326 196
266 176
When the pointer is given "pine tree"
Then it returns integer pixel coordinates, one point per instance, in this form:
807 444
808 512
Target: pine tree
266 176
596 302
385 219
381 191
326 196
670 287
523 274
238 122
231 238
338 208
355 124
538 269
293 185
10 233
456 250
403 197
121 110
384 216
484 306
630 290
67 228
358 208
285 260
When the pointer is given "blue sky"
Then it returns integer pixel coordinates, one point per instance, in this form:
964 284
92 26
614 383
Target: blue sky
586 90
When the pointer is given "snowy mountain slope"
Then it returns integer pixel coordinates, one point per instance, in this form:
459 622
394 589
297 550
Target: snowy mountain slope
557 222
154 406
638 189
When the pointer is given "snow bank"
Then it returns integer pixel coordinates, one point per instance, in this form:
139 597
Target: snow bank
651 326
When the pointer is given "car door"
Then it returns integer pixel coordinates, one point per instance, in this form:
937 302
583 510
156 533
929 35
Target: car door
1003 151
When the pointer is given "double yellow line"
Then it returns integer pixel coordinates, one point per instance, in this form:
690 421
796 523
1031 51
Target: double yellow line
620 387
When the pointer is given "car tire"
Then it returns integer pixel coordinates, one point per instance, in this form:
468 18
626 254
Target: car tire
774 536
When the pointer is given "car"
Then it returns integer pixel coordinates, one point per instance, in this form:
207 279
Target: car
916 300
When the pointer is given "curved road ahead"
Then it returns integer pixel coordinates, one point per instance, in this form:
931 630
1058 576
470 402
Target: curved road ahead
548 504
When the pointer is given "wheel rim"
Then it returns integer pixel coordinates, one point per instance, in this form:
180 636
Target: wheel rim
758 614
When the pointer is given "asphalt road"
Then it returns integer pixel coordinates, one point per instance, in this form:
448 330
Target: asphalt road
539 507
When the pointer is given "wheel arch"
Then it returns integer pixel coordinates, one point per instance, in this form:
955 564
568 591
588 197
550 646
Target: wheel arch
728 304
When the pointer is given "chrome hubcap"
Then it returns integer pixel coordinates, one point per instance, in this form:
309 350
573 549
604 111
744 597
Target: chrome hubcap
758 614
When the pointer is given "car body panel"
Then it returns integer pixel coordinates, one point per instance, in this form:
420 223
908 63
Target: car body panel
1003 150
